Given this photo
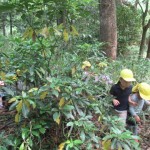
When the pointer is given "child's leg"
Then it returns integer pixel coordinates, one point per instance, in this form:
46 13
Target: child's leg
135 129
123 116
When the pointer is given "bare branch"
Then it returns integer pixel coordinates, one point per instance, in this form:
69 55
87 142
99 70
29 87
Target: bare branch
141 7
146 9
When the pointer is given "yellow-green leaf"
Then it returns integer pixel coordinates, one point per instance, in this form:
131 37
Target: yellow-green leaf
17 117
43 95
74 31
61 102
58 89
19 106
57 120
22 147
61 146
56 117
3 75
90 97
12 100
45 32
102 65
106 145
57 32
32 90
18 72
65 35
28 33
27 103
99 118
73 70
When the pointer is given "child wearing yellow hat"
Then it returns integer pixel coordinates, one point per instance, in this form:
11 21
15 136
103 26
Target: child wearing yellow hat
86 71
121 92
102 77
139 98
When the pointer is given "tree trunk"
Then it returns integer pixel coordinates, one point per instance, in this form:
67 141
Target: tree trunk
10 17
148 51
3 24
141 52
119 2
108 27
145 28
136 3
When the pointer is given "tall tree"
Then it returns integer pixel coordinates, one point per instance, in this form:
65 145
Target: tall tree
4 24
148 51
10 21
108 27
145 27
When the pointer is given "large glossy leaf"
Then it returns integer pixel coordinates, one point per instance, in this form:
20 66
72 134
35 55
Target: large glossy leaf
12 100
43 95
25 110
9 91
22 146
61 102
56 117
19 106
82 135
17 117
13 105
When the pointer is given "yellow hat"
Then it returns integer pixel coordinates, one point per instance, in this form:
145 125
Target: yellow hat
135 88
86 64
127 75
144 90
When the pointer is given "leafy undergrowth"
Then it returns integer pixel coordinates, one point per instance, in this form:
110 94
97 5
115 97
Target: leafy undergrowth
53 137
51 107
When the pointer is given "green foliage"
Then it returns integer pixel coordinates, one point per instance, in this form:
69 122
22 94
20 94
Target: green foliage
55 108
129 23
61 100
6 141
121 140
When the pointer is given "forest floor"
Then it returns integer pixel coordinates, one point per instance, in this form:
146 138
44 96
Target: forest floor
145 134
7 124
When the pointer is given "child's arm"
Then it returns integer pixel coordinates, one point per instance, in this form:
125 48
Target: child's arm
116 102
131 102
133 113
112 93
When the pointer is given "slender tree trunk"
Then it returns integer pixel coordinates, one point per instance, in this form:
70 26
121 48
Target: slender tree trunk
148 51
108 27
141 52
136 3
3 24
10 16
144 27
